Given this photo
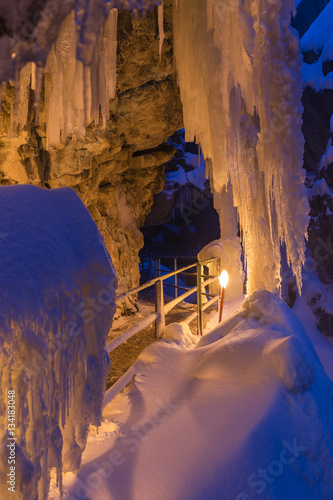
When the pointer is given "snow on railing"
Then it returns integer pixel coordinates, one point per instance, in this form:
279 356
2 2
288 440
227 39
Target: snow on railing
162 309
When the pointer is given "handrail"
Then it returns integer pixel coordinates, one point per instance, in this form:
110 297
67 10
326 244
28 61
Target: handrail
119 385
150 283
161 310
144 323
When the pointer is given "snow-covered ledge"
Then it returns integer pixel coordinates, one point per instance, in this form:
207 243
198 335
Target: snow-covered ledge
57 289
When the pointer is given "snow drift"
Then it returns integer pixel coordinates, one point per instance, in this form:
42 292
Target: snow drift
245 413
57 287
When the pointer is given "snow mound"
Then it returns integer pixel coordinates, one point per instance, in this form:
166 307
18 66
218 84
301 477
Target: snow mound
57 303
181 334
246 412
317 47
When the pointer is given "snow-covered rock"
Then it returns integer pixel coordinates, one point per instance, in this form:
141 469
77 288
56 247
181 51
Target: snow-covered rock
57 296
317 47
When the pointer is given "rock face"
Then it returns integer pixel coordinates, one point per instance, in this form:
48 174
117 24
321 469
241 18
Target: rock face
116 170
318 161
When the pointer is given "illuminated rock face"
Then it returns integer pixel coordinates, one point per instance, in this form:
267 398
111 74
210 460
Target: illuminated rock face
116 170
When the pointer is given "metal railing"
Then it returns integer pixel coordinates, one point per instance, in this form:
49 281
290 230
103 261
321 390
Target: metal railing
162 309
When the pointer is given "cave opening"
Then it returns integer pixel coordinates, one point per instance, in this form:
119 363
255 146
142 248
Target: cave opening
182 219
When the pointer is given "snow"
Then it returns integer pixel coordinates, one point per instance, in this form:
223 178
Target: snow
196 176
57 303
242 104
320 188
180 334
327 157
319 38
313 287
245 412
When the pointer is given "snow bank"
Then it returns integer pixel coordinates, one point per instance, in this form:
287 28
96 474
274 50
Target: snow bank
57 303
244 414
319 41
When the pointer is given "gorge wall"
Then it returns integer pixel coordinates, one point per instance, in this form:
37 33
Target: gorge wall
116 170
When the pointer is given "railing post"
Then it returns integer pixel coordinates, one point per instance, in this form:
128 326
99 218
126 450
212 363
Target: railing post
199 297
159 267
150 266
176 277
219 271
159 308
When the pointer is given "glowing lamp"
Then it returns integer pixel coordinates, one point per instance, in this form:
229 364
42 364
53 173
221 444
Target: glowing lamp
224 278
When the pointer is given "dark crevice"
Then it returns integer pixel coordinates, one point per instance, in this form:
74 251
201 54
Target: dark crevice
161 148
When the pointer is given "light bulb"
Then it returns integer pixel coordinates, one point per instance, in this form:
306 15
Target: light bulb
224 278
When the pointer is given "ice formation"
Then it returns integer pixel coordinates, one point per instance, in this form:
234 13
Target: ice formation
33 27
57 291
161 27
75 92
239 74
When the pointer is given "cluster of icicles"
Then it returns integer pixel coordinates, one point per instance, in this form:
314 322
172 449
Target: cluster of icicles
238 65
75 92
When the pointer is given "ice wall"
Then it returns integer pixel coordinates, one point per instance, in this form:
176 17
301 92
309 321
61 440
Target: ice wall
239 74
57 288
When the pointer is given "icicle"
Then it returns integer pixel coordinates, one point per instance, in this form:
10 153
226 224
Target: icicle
103 69
23 97
39 71
87 94
17 96
107 44
33 76
242 102
73 90
161 33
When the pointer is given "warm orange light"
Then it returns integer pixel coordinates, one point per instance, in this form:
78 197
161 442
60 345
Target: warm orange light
224 278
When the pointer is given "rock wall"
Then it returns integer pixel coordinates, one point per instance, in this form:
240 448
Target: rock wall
318 161
115 171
